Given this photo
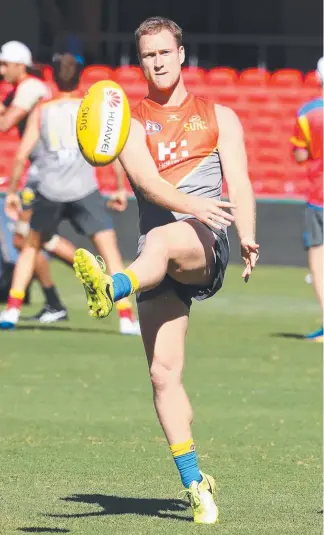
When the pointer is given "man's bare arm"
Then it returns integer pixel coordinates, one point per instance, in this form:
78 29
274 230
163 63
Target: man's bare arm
140 167
233 157
28 142
120 174
11 117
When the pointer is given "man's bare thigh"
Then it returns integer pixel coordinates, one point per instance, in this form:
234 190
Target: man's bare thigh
191 251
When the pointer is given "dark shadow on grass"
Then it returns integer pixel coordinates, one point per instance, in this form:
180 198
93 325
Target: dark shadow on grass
85 330
117 505
295 336
43 530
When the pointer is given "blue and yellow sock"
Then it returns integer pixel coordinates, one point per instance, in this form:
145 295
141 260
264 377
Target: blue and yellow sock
185 457
125 284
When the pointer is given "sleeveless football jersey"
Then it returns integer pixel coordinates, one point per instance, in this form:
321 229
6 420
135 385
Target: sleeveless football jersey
183 143
64 174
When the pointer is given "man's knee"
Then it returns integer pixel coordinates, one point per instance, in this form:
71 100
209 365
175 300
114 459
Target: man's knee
157 238
158 235
34 240
163 375
18 241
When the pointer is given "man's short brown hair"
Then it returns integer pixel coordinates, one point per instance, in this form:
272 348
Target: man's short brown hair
155 25
66 72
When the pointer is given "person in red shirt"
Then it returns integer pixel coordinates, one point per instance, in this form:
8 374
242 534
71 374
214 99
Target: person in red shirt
308 149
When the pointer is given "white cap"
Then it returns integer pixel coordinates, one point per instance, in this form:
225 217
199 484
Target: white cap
320 70
16 52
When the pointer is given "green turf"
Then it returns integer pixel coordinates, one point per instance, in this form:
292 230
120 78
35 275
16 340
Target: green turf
81 451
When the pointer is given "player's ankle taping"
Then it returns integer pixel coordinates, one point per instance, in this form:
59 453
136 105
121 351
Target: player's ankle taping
16 294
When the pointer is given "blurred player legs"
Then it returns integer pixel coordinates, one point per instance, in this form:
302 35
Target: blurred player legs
307 145
67 189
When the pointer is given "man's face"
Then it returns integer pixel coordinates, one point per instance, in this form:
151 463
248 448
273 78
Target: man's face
161 59
11 71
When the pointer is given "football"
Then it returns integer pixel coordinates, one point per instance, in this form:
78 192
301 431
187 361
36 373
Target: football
103 123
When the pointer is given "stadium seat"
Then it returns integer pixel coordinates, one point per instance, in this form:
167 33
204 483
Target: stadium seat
107 180
291 98
204 91
128 74
242 111
268 157
228 95
250 145
262 125
254 77
301 188
255 96
299 172
311 80
268 142
193 75
95 73
286 78
47 73
309 92
274 172
287 125
272 110
135 92
221 76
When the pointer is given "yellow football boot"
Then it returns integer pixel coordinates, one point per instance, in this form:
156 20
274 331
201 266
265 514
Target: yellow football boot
97 284
202 500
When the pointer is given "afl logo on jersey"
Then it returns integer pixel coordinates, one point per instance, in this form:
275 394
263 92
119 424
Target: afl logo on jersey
152 127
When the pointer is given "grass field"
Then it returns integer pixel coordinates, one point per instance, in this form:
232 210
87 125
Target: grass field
82 453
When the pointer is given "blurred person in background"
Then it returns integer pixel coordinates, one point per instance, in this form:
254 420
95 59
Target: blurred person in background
15 64
16 67
67 189
308 149
63 20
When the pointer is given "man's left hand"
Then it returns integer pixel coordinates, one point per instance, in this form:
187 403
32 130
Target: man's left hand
250 255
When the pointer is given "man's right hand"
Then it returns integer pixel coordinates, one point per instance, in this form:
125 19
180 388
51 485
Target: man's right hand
211 211
12 206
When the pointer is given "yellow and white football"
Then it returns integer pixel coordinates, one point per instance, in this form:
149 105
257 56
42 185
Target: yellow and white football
103 123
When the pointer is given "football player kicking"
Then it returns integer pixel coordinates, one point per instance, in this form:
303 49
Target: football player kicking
178 147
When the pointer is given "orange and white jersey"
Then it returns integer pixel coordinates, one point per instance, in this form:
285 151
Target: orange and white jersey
183 143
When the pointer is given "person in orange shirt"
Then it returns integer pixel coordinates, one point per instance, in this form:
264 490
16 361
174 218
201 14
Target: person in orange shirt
178 147
308 149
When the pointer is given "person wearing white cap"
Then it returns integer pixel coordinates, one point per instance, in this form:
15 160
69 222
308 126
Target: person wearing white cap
308 149
15 59
27 92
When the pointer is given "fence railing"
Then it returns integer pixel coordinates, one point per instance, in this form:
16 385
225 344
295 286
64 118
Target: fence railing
119 48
